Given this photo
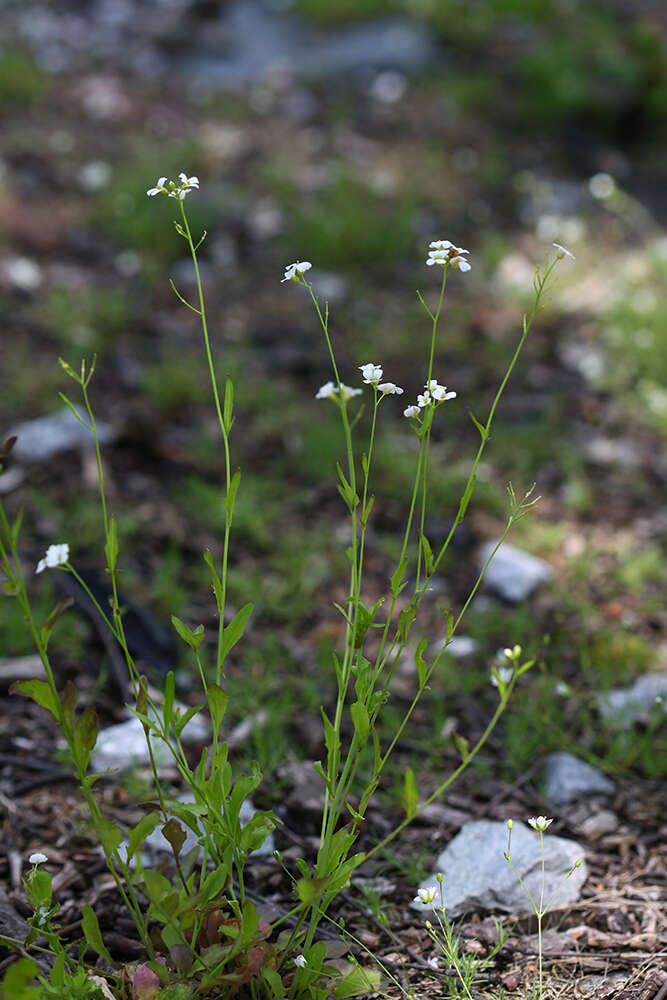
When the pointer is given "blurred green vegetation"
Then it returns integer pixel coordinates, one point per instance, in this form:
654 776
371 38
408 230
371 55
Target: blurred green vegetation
22 83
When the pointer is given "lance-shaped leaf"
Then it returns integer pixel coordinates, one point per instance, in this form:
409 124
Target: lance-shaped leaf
410 796
40 692
233 632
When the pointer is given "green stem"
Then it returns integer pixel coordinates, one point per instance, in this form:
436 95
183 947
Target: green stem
225 437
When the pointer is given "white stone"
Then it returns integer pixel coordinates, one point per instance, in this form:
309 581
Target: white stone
513 573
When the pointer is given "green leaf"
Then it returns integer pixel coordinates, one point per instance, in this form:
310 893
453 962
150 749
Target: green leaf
192 637
217 584
92 934
465 499
111 545
428 554
228 405
410 796
397 584
310 889
17 977
217 705
59 610
110 835
346 491
367 510
274 983
181 719
331 737
213 884
361 721
422 665
16 527
358 982
57 977
461 744
406 620
230 499
483 433
41 693
157 886
138 834
318 769
84 737
233 632
169 697
69 703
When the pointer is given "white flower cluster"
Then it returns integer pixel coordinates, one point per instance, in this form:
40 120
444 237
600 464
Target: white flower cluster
330 391
292 271
56 555
372 375
174 190
445 254
433 394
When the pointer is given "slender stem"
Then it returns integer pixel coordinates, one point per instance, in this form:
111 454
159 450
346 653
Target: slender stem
225 438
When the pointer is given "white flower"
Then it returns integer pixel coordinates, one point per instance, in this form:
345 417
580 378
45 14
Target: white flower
445 253
174 190
460 262
300 962
330 390
37 859
426 895
440 394
326 391
502 675
423 399
372 373
412 411
159 187
512 654
55 555
389 389
292 271
562 252
540 823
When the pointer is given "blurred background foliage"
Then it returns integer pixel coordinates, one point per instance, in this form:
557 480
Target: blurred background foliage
501 124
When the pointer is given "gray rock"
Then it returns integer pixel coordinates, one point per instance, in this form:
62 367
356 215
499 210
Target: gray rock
622 707
513 573
566 778
460 646
599 824
124 745
477 876
260 42
44 437
21 668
